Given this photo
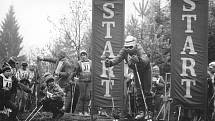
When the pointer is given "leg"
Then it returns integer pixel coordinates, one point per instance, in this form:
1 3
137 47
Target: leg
143 83
68 98
88 89
14 108
21 101
75 99
2 104
56 110
53 106
81 98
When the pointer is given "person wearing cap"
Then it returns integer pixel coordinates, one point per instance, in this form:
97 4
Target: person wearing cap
83 72
16 85
133 54
6 87
211 89
23 77
157 87
53 100
23 74
64 76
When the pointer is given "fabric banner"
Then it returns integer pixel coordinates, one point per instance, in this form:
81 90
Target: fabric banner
108 39
189 53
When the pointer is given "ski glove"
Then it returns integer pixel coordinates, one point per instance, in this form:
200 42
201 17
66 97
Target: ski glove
134 59
108 63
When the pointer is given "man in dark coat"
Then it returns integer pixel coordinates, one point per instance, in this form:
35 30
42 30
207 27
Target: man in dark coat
64 75
53 100
137 59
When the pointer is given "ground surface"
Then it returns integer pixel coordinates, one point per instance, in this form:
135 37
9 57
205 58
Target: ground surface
44 116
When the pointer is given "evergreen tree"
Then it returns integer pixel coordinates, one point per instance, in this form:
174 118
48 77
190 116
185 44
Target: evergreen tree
153 32
10 40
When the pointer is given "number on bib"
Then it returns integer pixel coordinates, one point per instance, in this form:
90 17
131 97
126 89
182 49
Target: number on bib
85 66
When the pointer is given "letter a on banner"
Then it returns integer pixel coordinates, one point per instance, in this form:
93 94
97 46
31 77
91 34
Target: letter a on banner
189 52
108 39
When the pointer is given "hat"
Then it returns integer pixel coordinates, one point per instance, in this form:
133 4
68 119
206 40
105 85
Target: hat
156 68
47 74
212 64
130 41
49 78
24 64
83 52
6 68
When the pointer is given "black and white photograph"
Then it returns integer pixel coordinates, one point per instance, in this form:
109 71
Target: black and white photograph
107 60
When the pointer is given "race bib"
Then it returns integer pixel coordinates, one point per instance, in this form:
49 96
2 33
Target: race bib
7 83
25 75
85 66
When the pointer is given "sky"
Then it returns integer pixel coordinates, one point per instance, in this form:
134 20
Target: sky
32 16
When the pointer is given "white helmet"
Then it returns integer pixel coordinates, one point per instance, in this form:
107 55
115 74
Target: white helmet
156 68
130 41
212 65
83 52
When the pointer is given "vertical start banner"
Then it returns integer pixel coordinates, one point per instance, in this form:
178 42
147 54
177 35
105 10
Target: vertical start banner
189 53
107 40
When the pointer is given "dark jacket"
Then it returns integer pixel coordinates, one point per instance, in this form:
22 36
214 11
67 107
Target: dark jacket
56 91
5 87
123 55
143 66
65 71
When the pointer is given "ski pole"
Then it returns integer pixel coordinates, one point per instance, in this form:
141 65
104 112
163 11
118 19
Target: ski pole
144 99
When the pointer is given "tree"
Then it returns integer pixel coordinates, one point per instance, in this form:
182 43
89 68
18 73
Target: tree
10 40
73 30
152 29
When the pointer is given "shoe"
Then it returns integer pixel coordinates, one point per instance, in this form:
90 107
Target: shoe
86 114
140 116
80 114
149 116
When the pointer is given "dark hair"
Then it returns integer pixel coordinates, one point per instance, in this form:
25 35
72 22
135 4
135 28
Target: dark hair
24 64
49 79
12 62
83 54
6 68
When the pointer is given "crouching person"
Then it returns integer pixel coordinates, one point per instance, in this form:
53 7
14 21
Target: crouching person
53 101
6 86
